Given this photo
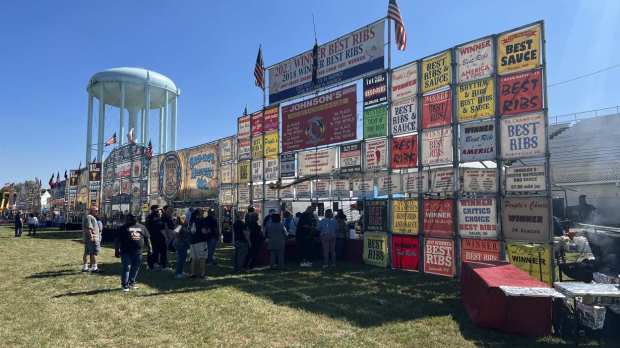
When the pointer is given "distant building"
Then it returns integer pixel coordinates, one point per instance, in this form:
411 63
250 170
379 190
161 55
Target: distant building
585 160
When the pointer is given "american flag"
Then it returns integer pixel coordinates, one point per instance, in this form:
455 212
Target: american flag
401 35
259 70
111 141
149 151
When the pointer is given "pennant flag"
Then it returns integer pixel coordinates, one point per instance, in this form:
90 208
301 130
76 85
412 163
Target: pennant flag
111 141
149 151
259 70
401 35
131 137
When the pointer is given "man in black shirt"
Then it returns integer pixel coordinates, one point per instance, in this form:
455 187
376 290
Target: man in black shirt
306 231
156 227
131 240
213 236
242 241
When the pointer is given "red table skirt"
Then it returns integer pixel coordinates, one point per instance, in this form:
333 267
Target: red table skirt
489 307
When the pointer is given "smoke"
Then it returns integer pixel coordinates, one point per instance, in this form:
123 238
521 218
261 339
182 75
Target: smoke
605 246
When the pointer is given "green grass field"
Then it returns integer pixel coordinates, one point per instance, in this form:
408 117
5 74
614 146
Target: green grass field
46 301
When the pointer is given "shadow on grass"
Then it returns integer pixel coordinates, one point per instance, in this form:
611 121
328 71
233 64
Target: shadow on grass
54 274
361 295
58 234
85 293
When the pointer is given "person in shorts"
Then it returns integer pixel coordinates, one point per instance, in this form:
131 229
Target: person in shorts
92 241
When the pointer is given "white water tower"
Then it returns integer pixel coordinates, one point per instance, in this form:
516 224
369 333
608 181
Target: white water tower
135 92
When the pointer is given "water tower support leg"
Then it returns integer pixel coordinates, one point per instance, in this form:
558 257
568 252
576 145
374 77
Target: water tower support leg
89 129
121 125
162 146
173 125
101 127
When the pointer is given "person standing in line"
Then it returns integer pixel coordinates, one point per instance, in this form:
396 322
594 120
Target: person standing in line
92 241
156 227
19 224
182 242
256 237
327 229
305 236
131 240
213 236
169 226
242 241
30 221
290 222
276 234
342 231
198 247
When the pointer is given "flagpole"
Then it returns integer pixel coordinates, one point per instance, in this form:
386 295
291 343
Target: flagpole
389 125
263 120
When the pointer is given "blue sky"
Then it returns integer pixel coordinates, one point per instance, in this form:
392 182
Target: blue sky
50 49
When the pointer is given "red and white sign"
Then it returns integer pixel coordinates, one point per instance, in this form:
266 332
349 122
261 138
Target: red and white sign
243 127
257 123
437 146
437 109
405 81
404 152
317 162
302 190
439 256
442 180
415 182
405 252
271 120
479 250
521 92
389 184
340 188
326 119
475 60
321 189
479 180
376 154
438 218
477 218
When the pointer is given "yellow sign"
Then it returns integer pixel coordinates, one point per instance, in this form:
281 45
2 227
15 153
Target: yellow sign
376 249
271 145
405 216
257 147
476 100
245 172
534 259
436 71
519 50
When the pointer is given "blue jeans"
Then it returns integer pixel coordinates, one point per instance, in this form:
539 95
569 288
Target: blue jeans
211 246
131 265
181 256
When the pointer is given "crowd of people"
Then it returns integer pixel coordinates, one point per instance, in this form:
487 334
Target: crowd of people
196 234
